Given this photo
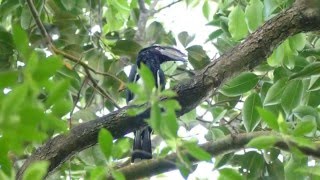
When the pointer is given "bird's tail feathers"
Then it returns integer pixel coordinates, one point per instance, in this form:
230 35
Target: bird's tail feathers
142 144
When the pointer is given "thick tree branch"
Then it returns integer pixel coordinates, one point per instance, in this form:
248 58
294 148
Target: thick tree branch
230 143
303 16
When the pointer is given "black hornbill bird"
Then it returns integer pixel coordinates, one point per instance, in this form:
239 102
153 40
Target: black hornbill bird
152 57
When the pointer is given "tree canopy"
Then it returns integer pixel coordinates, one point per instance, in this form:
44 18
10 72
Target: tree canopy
63 79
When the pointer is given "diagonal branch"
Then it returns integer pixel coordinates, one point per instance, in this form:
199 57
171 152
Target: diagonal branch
72 58
302 16
167 6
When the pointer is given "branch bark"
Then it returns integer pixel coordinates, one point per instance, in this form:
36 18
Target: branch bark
301 17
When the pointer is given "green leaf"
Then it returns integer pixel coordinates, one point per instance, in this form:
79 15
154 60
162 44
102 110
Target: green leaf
197 152
254 14
126 47
169 125
122 6
229 174
14 99
98 173
240 84
170 104
237 24
46 68
269 7
26 20
215 34
121 148
306 126
292 95
36 170
313 99
148 78
105 141
21 41
139 95
251 161
275 93
307 171
155 117
275 169
73 76
69 5
197 57
214 134
206 9
155 32
283 126
117 175
168 93
314 84
264 90
183 168
189 116
185 38
5 162
218 113
298 41
280 73
277 56
309 70
115 21
251 116
6 48
293 165
289 58
263 142
61 107
269 118
222 160
8 78
302 111
58 91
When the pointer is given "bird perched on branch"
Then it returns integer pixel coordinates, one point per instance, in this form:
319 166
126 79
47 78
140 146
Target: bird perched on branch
152 57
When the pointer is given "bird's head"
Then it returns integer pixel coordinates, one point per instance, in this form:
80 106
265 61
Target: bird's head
161 54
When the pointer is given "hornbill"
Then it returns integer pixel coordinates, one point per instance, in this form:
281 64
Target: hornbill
152 57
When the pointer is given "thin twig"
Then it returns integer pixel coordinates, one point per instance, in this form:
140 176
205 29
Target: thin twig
76 101
167 6
36 17
54 50
96 86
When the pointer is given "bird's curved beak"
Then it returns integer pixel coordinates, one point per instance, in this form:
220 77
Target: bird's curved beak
173 54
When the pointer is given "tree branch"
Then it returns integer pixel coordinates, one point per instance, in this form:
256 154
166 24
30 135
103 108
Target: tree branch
167 6
230 143
302 16
143 18
72 58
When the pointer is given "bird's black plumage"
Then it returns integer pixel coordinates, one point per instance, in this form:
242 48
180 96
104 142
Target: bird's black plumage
152 57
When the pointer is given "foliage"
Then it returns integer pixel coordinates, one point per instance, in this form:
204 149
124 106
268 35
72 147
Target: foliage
44 94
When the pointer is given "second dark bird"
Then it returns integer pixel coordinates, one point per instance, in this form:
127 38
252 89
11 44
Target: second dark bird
152 57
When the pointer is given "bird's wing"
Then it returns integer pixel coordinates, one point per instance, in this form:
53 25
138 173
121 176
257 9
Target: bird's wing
133 77
161 79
